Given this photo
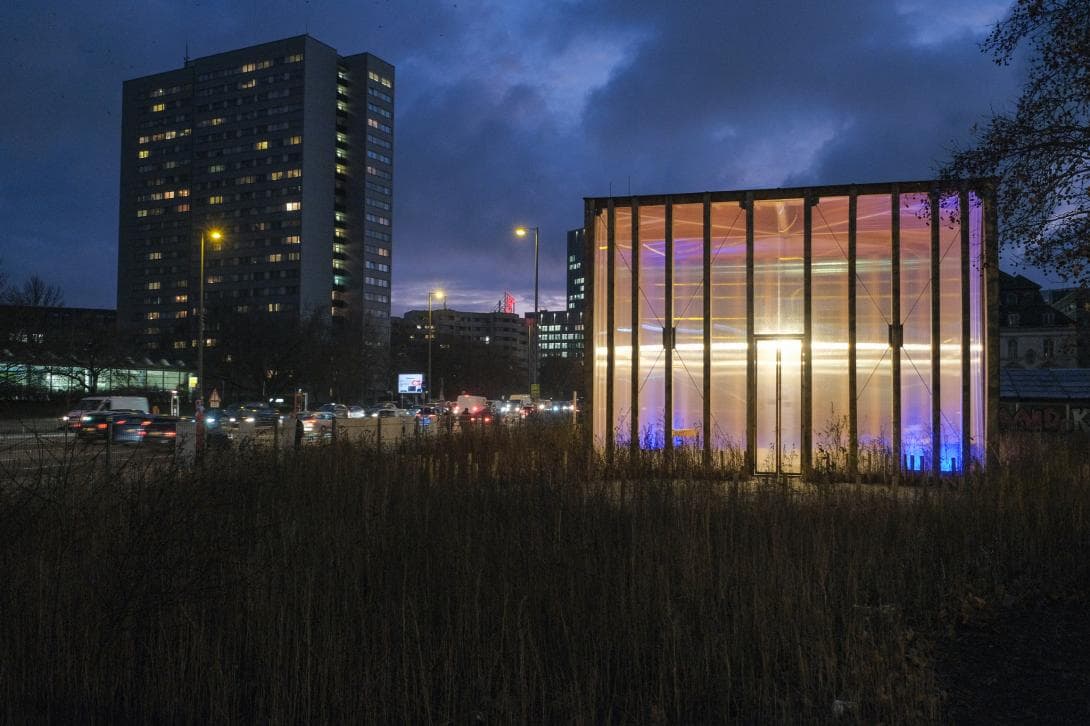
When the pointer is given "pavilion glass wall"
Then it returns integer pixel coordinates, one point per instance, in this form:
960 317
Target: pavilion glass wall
688 311
829 326
873 316
916 420
728 334
599 415
778 284
622 326
652 309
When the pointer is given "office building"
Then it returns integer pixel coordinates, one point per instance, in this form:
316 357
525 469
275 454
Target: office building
505 333
808 329
286 148
560 333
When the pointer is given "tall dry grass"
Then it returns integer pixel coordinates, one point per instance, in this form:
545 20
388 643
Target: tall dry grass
506 576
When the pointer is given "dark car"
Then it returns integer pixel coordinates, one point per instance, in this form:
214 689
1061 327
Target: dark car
256 412
127 427
339 410
161 430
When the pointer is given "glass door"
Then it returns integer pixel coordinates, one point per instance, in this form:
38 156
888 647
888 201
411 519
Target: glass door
779 405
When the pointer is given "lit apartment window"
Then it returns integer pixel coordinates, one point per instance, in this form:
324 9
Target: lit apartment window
261 145
182 314
141 212
181 208
155 255
156 108
343 138
293 58
214 168
248 84
342 169
153 315
179 344
152 286
293 256
215 199
276 257
292 239
379 79
143 154
274 307
292 206
181 298
245 180
342 154
293 140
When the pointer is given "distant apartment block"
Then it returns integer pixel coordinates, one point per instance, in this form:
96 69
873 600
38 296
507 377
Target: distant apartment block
287 147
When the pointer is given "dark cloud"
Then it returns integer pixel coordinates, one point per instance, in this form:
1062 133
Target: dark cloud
508 113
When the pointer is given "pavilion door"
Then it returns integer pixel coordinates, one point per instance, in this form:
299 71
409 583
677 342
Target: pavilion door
779 405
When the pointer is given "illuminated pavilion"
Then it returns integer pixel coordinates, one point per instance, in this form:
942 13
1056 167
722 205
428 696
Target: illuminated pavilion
846 328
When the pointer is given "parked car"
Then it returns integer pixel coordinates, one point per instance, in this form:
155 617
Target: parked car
313 425
255 412
391 413
128 427
162 430
357 412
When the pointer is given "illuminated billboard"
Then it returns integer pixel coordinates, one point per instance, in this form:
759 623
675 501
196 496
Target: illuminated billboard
410 382
809 329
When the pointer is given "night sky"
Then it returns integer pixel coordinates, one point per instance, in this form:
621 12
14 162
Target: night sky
508 113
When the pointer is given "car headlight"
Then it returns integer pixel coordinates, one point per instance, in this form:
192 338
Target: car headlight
210 421
232 419
249 419
64 418
86 418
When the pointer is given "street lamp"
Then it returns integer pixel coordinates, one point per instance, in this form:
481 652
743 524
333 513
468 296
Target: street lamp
522 232
215 235
438 295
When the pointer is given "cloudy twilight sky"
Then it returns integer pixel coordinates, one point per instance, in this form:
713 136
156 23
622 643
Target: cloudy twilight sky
508 112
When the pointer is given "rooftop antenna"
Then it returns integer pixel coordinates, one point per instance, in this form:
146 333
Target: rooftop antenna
186 58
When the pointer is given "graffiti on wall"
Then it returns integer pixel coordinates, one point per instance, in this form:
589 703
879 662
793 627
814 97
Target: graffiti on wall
1047 417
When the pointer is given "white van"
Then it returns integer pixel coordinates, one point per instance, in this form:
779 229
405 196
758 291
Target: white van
473 404
104 403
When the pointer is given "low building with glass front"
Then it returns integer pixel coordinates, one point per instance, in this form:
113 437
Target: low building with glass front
840 328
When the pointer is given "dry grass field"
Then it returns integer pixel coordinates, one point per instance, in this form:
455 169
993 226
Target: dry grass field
509 576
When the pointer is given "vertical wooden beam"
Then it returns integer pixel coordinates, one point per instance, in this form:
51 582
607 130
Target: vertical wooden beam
807 336
936 334
611 254
966 334
853 357
707 426
668 333
589 352
896 332
991 318
751 347
634 417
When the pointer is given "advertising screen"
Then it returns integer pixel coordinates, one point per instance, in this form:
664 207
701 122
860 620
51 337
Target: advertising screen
410 382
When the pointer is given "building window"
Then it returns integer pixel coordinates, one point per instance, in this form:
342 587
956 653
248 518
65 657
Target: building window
293 206
215 199
153 315
1049 318
1012 320
1012 350
143 154
292 239
293 140
261 145
156 108
1049 348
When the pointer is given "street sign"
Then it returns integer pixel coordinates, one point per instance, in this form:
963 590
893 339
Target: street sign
214 399
535 391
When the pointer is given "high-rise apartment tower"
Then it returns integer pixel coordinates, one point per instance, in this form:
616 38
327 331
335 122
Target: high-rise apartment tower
287 148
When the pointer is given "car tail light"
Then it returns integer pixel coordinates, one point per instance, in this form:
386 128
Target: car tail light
170 434
100 426
121 421
487 419
145 423
141 432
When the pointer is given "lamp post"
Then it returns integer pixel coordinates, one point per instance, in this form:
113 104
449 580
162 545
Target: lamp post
215 235
522 232
438 295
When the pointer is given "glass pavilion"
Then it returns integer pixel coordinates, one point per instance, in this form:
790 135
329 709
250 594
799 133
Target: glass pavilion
844 327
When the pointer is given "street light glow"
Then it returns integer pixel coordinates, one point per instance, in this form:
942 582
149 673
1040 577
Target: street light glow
521 231
438 294
215 234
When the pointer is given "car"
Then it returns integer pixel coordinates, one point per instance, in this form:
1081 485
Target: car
427 415
128 427
339 410
73 419
391 413
161 430
357 412
258 413
313 425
